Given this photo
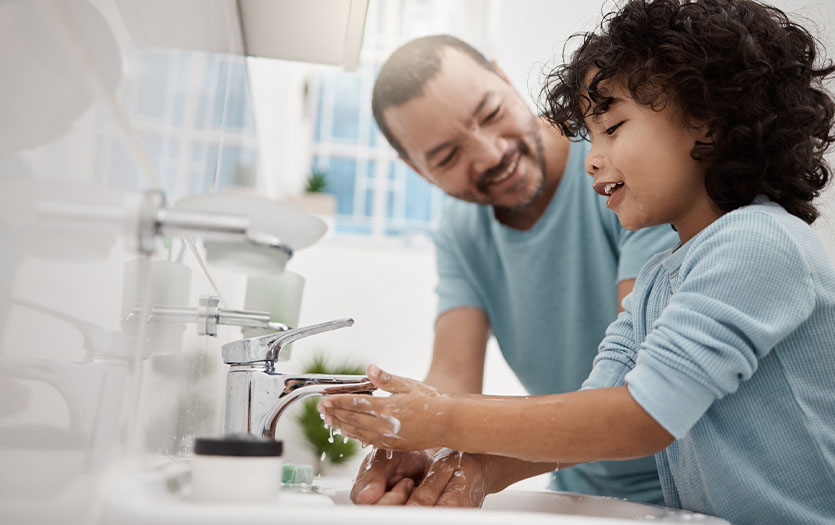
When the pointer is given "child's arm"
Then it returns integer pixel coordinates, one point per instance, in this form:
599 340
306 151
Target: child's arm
568 428
423 417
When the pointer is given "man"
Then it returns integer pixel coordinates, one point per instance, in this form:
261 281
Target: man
526 250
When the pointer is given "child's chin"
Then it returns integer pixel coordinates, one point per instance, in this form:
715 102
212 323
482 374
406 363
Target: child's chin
631 223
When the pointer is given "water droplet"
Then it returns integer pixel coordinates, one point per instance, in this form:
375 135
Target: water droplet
323 456
345 441
389 454
322 416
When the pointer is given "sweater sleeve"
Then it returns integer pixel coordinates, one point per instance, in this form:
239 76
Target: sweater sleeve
743 287
617 352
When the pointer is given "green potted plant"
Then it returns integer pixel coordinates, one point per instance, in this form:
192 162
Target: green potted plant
329 448
315 198
317 182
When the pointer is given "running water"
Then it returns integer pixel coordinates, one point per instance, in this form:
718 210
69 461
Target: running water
330 436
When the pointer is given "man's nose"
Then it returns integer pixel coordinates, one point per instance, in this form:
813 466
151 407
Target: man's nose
487 151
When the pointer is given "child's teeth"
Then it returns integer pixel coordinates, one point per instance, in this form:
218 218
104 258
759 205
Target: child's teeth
610 187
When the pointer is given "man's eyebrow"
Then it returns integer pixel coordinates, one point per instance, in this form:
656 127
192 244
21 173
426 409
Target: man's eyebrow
440 147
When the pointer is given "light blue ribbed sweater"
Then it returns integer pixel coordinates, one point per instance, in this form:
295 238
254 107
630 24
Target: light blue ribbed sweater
729 343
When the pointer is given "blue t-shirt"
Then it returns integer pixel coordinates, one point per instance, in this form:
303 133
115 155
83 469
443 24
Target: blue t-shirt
549 293
729 344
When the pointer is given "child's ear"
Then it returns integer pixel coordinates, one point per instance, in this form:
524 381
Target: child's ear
701 133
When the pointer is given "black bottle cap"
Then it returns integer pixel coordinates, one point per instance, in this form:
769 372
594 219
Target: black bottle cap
238 445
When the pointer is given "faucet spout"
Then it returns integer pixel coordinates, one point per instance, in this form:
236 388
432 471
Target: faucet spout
256 397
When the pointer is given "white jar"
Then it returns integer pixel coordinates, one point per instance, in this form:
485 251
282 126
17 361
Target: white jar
236 469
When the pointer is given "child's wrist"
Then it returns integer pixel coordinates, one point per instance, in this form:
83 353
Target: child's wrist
452 427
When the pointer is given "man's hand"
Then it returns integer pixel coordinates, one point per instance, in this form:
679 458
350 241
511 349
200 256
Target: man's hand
379 473
447 479
453 479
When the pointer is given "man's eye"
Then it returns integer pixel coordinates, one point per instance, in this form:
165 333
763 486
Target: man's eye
611 131
448 158
490 117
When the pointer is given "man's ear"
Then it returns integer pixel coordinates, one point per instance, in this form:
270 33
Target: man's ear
499 71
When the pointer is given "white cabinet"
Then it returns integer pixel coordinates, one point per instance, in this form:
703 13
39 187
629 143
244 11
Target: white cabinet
319 31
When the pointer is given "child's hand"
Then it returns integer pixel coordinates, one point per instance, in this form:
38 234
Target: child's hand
412 418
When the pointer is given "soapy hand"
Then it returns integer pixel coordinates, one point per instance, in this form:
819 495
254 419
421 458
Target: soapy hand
445 478
414 417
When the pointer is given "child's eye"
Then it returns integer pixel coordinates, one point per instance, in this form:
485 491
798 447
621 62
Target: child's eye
611 131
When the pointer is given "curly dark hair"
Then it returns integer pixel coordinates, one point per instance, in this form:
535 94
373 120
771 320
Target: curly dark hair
740 68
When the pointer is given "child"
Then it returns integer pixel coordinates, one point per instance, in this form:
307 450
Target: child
710 116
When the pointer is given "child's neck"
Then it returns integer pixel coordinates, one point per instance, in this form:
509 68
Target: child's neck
697 218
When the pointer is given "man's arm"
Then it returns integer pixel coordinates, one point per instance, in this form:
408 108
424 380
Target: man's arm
461 336
624 288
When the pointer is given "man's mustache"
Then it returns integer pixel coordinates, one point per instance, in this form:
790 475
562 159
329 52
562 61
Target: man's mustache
488 175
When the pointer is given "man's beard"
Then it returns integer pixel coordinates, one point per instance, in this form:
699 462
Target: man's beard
522 148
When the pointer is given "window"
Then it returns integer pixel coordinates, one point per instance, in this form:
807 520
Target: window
192 112
377 194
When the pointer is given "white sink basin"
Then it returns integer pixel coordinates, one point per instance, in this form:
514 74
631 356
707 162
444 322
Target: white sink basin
160 496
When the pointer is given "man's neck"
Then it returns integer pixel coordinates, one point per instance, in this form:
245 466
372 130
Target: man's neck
555 149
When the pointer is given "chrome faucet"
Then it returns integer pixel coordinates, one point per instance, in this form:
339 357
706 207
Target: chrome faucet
257 395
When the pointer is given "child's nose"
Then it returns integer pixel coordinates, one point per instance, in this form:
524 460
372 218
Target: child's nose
594 163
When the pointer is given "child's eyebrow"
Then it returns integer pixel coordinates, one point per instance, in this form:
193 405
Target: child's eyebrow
609 104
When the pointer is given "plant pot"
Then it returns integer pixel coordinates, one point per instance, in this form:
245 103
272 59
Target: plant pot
316 203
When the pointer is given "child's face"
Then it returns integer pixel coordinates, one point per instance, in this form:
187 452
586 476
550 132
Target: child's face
640 158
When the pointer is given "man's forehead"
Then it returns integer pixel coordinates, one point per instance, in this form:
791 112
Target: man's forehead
450 99
459 72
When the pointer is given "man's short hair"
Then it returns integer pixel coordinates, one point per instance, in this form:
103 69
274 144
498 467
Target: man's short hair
406 72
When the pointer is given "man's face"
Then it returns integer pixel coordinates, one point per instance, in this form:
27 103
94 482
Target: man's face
470 134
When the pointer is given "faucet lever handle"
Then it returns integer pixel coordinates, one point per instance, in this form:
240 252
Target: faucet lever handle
282 339
268 347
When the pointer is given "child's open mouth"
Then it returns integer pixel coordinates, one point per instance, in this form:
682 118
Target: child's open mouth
609 189
613 191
